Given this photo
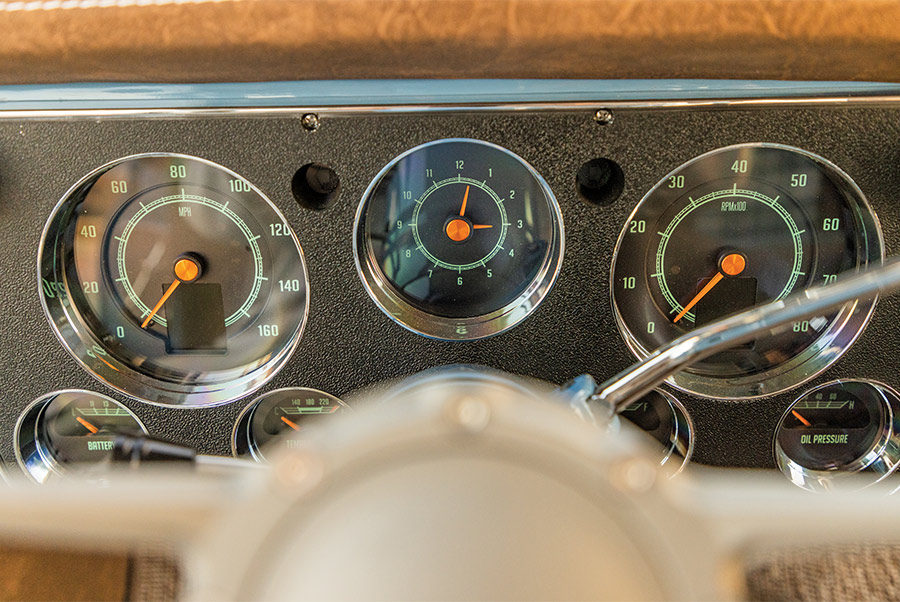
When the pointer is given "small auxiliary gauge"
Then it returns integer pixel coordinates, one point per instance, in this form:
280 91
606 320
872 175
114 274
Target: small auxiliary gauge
278 414
71 432
663 417
839 428
458 239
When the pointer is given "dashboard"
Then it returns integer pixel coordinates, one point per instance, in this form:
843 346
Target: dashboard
801 189
404 232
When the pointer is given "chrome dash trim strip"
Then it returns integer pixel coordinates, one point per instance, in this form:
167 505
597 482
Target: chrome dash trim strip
263 112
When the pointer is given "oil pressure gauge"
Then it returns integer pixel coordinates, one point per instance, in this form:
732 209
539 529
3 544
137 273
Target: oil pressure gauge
837 429
458 239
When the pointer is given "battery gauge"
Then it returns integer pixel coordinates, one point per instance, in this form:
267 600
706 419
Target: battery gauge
71 432
277 415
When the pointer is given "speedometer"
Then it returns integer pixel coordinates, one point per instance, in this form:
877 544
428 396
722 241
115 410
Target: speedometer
173 279
734 228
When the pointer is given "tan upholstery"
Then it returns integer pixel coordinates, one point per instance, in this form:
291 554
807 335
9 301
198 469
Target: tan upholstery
255 40
28 573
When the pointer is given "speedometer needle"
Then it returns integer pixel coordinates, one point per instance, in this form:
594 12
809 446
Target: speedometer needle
732 265
186 270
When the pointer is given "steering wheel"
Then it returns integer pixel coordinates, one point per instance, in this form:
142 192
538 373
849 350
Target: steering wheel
466 484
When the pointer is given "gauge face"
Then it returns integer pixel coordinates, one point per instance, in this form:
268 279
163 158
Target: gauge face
458 239
663 417
836 429
173 279
276 415
833 427
71 431
735 228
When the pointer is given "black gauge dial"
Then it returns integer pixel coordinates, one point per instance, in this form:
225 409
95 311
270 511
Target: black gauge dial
276 415
839 428
71 432
833 427
174 279
739 227
458 239
663 417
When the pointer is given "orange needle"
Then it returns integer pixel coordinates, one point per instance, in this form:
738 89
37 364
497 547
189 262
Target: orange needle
186 270
465 200
93 429
709 286
480 226
161 302
107 363
801 418
290 423
732 265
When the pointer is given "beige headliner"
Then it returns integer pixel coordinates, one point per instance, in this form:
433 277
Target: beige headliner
255 40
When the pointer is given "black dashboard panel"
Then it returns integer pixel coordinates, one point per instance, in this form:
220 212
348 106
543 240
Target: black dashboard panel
349 343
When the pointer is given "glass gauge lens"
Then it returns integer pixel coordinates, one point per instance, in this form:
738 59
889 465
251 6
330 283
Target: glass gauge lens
276 415
663 417
173 279
71 431
738 227
841 427
458 239
833 427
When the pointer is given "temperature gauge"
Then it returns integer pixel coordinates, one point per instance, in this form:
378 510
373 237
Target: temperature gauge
278 414
71 432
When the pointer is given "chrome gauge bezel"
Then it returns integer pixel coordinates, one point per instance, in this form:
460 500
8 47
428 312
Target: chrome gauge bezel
391 302
83 345
679 448
881 459
37 462
840 335
244 422
681 440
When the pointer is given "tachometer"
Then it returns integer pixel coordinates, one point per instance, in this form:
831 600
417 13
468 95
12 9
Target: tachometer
731 229
173 279
458 239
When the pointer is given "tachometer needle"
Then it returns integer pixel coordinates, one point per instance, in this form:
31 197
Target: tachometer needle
462 211
801 418
732 265
290 423
186 270
93 429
